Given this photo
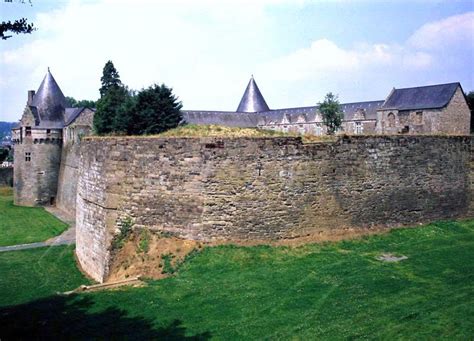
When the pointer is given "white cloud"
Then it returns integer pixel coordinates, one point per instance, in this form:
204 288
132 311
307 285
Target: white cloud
206 50
454 30
326 57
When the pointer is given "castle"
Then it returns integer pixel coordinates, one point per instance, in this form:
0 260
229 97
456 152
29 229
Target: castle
401 161
47 137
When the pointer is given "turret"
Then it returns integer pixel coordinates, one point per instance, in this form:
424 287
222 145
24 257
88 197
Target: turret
37 145
252 100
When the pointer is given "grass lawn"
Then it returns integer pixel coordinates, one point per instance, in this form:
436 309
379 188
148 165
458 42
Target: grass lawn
31 274
318 291
21 225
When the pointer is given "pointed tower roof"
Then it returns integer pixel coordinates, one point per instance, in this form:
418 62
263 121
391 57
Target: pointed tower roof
252 100
49 100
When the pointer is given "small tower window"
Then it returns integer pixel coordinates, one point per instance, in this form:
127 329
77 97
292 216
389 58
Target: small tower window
419 117
391 120
27 156
28 131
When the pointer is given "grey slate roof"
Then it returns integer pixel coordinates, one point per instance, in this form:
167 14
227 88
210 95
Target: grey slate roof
370 108
71 114
225 118
423 97
252 100
241 119
50 102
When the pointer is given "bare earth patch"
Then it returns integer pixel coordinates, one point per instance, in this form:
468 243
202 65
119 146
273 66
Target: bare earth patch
150 255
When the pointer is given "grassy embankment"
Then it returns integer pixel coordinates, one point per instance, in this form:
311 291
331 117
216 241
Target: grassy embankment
197 131
318 291
21 225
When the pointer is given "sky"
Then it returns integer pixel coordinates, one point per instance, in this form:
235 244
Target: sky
297 50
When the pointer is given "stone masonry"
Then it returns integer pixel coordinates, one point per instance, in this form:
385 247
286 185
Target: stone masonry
452 119
263 188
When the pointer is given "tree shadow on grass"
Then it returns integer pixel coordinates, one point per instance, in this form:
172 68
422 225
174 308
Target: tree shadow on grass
60 317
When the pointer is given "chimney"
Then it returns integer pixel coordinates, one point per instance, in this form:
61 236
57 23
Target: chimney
31 94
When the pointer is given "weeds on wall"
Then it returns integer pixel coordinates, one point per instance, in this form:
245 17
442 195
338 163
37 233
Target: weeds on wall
144 241
125 230
166 262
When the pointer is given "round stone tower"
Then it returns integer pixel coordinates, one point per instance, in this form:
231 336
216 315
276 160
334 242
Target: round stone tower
37 145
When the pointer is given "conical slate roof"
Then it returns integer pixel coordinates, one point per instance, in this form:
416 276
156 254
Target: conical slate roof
49 100
252 100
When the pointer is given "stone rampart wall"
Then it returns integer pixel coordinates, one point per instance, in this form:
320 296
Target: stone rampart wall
68 177
6 176
263 188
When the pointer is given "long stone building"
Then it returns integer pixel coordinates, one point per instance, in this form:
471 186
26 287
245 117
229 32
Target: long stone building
436 109
47 138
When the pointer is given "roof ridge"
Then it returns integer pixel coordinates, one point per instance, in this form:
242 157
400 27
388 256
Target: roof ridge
428 86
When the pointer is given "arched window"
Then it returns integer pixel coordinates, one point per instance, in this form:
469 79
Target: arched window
391 120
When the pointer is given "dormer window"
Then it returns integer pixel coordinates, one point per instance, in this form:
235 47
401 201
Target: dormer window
48 131
27 131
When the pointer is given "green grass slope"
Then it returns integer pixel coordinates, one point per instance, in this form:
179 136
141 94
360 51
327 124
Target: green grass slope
320 291
31 274
21 225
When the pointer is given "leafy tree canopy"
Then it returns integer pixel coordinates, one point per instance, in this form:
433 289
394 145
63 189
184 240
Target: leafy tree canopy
112 110
122 111
17 26
470 102
156 110
110 78
470 99
73 103
331 112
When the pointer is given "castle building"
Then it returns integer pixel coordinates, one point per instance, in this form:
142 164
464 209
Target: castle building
436 109
47 137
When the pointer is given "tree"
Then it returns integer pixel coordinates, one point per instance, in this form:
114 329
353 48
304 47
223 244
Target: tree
73 103
17 26
4 152
470 103
113 99
110 78
156 110
331 113
112 111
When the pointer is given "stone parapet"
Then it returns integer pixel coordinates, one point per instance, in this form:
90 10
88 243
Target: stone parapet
263 188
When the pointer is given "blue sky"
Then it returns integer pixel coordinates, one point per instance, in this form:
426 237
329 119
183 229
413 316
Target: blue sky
207 50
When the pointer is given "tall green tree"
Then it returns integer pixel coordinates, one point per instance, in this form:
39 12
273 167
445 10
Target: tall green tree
110 78
156 110
331 113
114 97
112 111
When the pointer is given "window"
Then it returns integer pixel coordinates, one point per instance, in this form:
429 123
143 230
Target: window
391 120
48 131
28 131
358 128
419 117
318 129
27 156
